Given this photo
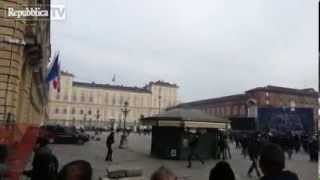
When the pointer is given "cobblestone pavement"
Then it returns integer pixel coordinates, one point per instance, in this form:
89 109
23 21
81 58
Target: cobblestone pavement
137 155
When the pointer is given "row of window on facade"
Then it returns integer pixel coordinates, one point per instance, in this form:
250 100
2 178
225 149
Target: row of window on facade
143 101
114 113
113 101
226 111
289 99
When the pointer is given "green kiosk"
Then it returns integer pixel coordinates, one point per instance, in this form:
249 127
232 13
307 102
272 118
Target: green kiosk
172 131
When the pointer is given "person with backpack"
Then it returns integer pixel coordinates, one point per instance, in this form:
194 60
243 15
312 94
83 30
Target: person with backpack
109 142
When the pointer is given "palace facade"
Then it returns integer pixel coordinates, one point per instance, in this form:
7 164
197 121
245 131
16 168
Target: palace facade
93 104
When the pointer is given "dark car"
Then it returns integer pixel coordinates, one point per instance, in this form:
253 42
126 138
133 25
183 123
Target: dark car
64 135
80 132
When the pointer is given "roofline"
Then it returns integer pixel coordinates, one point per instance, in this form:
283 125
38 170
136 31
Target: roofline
208 101
163 83
66 73
286 90
111 87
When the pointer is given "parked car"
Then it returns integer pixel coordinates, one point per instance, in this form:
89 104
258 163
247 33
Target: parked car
64 135
80 132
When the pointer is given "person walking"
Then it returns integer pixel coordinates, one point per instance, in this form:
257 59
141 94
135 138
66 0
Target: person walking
313 150
221 148
253 150
193 146
109 142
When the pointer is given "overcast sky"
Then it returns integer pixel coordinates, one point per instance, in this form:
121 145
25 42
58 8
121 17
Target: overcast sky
210 48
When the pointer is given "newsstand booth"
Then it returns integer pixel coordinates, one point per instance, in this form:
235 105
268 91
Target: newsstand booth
172 130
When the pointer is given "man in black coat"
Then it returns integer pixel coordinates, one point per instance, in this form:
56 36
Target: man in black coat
253 150
193 146
44 164
109 142
313 150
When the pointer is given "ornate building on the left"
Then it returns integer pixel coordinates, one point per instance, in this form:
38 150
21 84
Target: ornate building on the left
25 50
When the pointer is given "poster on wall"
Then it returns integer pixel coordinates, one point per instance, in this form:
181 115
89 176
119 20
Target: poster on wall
284 120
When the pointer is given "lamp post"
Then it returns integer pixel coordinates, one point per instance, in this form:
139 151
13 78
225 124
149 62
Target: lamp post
124 140
98 116
84 120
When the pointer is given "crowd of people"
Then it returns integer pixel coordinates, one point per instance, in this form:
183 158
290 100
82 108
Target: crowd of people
249 143
264 150
271 162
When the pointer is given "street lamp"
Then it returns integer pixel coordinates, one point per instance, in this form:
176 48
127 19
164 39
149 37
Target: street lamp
98 116
124 140
84 120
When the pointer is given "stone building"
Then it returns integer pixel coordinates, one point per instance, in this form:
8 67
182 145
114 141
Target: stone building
92 104
24 55
248 103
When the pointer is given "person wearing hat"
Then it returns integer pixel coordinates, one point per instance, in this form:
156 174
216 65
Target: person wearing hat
272 164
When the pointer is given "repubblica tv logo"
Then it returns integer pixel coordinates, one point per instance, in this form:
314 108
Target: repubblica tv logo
53 13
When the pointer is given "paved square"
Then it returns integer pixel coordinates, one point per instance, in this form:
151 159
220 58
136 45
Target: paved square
138 155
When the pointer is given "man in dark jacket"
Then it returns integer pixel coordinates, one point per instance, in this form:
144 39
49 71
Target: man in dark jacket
109 142
253 150
272 163
193 146
44 164
314 149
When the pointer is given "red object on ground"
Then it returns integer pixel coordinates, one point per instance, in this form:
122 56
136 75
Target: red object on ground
20 140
